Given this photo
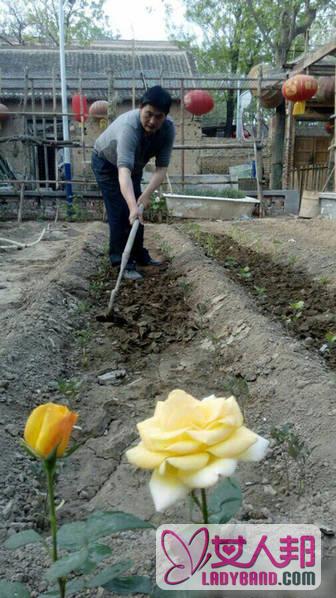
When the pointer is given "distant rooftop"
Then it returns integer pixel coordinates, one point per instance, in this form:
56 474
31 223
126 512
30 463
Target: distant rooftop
134 61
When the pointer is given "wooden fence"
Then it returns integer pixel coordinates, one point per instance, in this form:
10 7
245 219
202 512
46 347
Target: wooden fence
309 178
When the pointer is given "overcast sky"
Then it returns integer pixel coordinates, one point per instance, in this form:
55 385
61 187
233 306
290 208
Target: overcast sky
141 19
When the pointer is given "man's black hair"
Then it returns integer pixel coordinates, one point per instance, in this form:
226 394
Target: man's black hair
157 97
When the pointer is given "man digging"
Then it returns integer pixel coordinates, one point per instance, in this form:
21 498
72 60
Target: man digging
119 156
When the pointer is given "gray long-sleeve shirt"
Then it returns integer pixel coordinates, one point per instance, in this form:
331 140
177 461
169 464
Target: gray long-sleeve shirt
124 142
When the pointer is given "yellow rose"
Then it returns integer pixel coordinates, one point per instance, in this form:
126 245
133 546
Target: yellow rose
190 443
49 426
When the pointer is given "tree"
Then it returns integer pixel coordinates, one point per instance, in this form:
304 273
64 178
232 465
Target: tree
32 21
224 42
280 24
234 35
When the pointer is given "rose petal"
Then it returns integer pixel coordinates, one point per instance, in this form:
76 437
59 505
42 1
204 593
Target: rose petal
189 462
156 438
209 437
34 424
208 476
184 447
179 410
166 489
257 451
236 444
142 457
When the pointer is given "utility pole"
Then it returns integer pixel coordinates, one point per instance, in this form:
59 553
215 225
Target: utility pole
66 136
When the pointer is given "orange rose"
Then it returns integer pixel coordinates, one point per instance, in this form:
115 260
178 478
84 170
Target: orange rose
49 426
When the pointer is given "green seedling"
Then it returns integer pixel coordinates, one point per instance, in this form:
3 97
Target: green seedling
194 230
296 311
166 250
245 272
331 339
96 286
79 211
260 291
69 387
83 338
230 262
83 307
185 287
292 448
292 260
158 211
211 245
323 280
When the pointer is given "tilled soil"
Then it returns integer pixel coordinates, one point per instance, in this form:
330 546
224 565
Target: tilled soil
305 307
192 326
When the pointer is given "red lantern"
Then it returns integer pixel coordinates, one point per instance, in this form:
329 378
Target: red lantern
79 107
99 109
298 89
4 113
198 102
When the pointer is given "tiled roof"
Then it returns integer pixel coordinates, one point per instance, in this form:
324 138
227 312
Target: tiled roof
123 59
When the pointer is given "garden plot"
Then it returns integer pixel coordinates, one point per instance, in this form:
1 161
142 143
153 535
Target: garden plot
193 326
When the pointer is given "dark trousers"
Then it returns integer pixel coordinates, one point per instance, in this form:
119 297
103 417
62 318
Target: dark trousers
118 212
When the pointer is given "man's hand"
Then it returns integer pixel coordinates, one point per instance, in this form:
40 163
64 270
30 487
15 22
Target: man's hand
144 200
135 213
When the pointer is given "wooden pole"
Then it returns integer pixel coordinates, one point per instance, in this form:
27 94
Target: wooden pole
133 73
82 121
182 134
111 111
258 149
335 135
19 216
288 147
35 150
45 149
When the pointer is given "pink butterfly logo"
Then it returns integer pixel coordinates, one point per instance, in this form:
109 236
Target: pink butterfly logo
186 557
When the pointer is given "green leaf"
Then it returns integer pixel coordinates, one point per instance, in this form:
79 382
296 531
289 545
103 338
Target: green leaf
103 523
108 574
72 535
13 590
135 584
225 501
74 586
99 552
29 536
67 564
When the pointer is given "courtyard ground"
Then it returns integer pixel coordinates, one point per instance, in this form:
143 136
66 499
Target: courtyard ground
243 307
